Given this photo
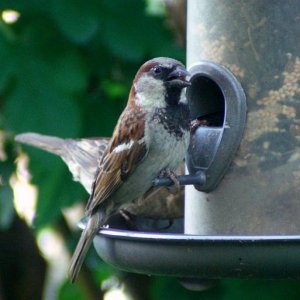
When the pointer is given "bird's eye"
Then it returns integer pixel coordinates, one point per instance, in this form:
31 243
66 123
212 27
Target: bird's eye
157 70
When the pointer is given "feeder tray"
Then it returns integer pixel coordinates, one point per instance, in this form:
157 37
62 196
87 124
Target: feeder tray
204 257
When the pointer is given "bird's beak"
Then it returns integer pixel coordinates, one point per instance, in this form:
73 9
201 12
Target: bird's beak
178 77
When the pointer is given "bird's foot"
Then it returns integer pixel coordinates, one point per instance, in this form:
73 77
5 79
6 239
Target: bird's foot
170 174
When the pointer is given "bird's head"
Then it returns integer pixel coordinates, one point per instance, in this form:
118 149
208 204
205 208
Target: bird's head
159 82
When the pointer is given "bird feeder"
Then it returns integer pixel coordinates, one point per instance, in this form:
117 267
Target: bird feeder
242 215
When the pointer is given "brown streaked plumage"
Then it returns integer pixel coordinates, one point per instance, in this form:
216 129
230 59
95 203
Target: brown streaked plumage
140 146
151 135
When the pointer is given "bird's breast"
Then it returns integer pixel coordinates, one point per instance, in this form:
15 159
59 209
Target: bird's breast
167 138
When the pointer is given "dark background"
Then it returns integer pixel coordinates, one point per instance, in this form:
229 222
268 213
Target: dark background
65 69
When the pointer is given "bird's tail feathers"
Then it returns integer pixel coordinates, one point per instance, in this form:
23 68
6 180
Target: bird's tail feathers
49 143
79 256
83 245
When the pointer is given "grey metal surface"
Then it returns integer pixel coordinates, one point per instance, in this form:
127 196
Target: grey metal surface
259 42
201 256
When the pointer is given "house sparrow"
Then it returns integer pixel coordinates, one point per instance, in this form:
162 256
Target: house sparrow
151 136
82 156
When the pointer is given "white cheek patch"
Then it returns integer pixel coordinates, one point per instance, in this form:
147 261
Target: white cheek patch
150 92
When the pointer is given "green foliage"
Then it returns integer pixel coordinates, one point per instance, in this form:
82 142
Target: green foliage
71 292
169 288
6 194
66 69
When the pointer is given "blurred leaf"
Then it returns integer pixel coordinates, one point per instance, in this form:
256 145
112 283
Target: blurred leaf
169 288
7 167
155 8
43 100
71 292
100 114
33 107
6 201
45 87
56 188
60 63
18 5
114 89
131 35
49 205
68 72
35 103
260 289
76 19
122 31
5 62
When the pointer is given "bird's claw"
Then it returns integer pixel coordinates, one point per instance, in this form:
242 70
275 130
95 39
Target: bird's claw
170 174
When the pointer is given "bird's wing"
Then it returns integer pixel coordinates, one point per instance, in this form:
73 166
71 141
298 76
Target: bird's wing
125 150
82 156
